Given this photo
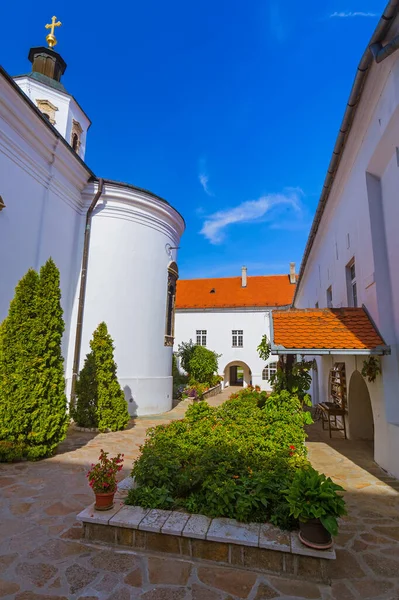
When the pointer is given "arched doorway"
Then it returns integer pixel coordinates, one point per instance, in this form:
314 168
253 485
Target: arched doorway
360 413
237 373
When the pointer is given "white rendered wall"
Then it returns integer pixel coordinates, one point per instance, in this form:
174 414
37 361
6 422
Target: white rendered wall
361 221
40 183
127 288
219 325
68 109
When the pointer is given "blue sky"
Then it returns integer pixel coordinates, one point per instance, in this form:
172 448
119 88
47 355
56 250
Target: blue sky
228 109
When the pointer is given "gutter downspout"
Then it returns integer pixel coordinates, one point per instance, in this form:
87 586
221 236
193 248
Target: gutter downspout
82 293
390 12
381 52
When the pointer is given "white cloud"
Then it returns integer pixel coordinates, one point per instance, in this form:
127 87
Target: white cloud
263 209
203 179
203 176
349 14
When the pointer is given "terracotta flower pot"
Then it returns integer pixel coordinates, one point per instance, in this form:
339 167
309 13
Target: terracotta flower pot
314 535
104 501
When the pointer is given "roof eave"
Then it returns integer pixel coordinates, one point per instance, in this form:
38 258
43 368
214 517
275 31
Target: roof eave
390 13
377 351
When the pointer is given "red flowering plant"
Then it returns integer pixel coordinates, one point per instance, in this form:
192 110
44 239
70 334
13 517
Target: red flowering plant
102 476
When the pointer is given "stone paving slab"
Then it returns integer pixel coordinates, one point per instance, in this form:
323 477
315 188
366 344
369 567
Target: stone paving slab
129 516
197 527
230 530
154 520
31 539
91 515
175 523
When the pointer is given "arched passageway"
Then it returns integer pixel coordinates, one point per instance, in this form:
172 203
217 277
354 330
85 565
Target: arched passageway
360 413
237 373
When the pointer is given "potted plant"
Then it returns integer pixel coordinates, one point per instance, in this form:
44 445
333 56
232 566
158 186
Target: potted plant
313 499
102 479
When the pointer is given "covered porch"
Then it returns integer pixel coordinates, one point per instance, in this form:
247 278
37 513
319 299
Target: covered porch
338 341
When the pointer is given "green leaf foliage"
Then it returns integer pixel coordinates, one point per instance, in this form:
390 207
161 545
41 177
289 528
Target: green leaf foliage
264 348
33 405
17 361
49 418
312 495
100 399
231 461
203 364
85 412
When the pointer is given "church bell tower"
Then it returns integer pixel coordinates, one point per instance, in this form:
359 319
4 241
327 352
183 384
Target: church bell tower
44 87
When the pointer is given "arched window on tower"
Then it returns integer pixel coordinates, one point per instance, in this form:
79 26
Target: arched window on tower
173 275
75 142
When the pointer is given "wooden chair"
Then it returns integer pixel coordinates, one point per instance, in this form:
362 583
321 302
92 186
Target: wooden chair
329 411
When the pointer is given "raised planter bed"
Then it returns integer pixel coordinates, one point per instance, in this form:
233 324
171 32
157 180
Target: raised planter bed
254 546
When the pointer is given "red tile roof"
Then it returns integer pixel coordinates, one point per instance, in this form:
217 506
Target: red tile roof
327 328
265 290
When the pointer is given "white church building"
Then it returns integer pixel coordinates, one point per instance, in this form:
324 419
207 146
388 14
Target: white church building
114 243
229 316
347 296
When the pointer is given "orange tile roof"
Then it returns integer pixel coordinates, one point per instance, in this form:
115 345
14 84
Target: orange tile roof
264 290
327 328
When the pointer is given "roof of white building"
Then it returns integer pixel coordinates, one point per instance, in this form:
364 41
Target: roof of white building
228 292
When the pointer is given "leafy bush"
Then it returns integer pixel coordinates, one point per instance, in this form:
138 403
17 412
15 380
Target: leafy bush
231 461
33 405
100 399
203 364
312 495
184 352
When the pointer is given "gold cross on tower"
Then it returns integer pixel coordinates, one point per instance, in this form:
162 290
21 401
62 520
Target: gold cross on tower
50 38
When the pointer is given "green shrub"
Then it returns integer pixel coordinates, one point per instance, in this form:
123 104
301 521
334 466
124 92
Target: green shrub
203 364
85 412
47 400
231 461
17 361
12 451
100 399
184 352
33 405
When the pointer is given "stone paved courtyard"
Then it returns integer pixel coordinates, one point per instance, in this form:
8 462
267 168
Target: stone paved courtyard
43 557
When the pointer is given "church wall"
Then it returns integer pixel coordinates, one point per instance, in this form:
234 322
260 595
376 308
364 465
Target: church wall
127 288
41 183
360 222
219 325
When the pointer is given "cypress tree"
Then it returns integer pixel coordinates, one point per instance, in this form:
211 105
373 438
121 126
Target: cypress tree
112 412
48 414
17 361
85 412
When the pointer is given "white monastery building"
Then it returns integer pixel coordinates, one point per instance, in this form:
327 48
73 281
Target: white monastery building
347 296
115 244
229 316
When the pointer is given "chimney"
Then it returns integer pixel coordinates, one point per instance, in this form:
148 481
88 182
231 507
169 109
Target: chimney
244 277
292 273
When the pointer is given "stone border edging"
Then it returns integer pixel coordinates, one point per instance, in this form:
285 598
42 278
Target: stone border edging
258 535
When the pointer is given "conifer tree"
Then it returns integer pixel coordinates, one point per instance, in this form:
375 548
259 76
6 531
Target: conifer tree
17 361
85 411
112 412
48 403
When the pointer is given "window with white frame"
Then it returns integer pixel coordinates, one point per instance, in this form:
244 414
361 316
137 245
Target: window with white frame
237 338
201 337
351 283
269 371
329 297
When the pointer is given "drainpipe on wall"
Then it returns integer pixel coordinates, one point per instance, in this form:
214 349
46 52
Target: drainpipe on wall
82 293
381 52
